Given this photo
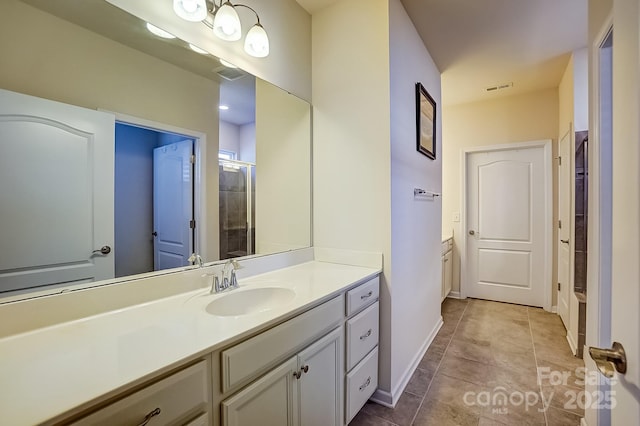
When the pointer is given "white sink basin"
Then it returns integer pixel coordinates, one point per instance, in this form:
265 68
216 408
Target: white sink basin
250 301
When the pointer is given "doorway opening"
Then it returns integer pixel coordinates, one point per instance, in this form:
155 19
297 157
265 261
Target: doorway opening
154 218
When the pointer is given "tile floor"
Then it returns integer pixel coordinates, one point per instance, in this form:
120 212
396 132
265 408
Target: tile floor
484 353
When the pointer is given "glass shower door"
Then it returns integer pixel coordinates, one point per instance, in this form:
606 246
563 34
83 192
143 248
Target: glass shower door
237 211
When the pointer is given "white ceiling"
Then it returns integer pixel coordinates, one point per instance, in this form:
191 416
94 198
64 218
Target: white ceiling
481 43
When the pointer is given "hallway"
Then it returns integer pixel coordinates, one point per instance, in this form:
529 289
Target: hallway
481 369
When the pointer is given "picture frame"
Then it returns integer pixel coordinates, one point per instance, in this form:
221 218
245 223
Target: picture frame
425 122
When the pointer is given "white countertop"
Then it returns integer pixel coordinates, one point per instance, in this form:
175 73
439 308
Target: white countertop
64 368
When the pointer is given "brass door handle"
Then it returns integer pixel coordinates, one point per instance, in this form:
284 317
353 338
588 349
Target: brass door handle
565 241
610 360
472 232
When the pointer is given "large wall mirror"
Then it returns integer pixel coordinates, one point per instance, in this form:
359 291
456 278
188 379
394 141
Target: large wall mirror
122 152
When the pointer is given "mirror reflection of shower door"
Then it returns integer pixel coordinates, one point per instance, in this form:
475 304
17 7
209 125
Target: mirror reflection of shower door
237 208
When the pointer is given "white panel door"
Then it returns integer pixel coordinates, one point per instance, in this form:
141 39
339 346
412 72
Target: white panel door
506 209
56 184
565 194
172 205
321 381
271 400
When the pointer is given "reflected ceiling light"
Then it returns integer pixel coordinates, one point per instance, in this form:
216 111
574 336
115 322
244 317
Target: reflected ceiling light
227 64
226 23
223 107
197 49
159 32
190 10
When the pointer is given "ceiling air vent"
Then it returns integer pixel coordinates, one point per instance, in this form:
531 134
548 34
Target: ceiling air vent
230 74
499 87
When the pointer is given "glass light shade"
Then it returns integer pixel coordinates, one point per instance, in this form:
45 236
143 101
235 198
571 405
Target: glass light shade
190 10
226 23
256 43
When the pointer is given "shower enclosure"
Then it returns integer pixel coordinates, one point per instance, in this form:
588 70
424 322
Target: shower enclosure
237 208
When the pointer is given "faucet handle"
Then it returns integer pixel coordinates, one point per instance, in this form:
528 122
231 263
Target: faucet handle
234 279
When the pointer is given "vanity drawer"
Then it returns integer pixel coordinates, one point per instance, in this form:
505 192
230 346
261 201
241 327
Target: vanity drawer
361 383
245 361
362 334
363 295
182 398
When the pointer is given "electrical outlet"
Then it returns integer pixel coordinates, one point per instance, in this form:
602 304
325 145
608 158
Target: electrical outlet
456 217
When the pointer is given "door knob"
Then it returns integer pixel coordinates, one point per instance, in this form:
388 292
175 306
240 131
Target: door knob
154 233
610 360
472 232
103 250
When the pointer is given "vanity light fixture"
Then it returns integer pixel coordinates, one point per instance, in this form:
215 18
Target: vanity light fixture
190 10
226 23
159 32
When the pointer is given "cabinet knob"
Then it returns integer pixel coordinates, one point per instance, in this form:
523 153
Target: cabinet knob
297 374
305 369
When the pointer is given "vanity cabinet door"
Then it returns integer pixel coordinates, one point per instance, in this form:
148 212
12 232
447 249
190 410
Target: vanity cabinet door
269 401
320 381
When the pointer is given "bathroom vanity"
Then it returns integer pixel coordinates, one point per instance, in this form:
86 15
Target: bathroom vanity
297 344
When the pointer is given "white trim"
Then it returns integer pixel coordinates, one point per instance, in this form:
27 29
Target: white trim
200 190
554 309
573 345
454 295
598 316
583 422
391 399
546 144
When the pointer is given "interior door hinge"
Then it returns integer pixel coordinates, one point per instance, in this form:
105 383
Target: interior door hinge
192 224
560 161
559 224
193 159
558 286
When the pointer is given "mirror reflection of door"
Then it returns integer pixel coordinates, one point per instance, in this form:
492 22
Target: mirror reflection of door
154 188
56 186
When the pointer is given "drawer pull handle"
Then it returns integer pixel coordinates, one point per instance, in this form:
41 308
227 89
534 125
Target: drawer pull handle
366 296
149 416
367 334
365 384
305 369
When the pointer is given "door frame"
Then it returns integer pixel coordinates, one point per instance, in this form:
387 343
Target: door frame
546 144
199 181
598 324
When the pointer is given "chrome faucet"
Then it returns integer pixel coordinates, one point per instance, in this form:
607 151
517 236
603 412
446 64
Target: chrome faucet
196 259
230 281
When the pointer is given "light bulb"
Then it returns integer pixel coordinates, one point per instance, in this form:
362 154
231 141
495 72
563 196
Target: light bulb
256 43
190 10
226 23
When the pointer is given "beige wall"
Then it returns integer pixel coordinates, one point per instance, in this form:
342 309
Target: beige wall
283 171
532 116
351 152
50 58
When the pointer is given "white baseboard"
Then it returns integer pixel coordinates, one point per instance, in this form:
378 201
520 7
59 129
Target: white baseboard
554 309
391 399
454 295
572 344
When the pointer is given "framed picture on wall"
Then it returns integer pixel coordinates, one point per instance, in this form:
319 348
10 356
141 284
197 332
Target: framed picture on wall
425 122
